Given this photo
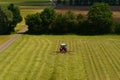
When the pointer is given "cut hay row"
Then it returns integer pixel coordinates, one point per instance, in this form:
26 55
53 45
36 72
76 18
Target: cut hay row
111 60
34 58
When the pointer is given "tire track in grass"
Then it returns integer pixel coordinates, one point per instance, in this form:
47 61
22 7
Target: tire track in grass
27 69
79 43
79 72
29 63
60 66
92 63
54 62
87 60
22 60
113 59
74 63
19 68
105 62
115 54
43 66
8 57
66 68
13 60
38 61
71 66
94 59
97 59
110 64
101 61
117 47
7 52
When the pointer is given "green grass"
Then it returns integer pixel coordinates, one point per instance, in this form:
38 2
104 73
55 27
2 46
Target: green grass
4 38
24 2
33 57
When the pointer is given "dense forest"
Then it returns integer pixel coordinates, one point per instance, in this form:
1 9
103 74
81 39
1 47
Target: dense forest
86 2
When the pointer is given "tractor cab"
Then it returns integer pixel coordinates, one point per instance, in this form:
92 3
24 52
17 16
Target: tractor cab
63 47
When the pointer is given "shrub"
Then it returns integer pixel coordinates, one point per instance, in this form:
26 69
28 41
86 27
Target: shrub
34 23
80 21
65 23
57 26
40 22
117 29
70 21
85 28
100 16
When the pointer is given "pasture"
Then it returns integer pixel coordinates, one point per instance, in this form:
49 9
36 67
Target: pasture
33 57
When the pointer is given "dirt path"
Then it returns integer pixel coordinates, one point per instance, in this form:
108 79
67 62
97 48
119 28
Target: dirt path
12 39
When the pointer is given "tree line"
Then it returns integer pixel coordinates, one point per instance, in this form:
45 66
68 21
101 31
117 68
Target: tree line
86 2
99 21
9 17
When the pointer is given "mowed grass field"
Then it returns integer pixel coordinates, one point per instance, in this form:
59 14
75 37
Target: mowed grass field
33 57
4 38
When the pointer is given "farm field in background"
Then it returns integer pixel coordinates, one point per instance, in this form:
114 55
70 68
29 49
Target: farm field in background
4 38
26 7
23 2
116 14
25 10
33 57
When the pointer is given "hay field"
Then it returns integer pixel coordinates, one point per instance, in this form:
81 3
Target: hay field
33 57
